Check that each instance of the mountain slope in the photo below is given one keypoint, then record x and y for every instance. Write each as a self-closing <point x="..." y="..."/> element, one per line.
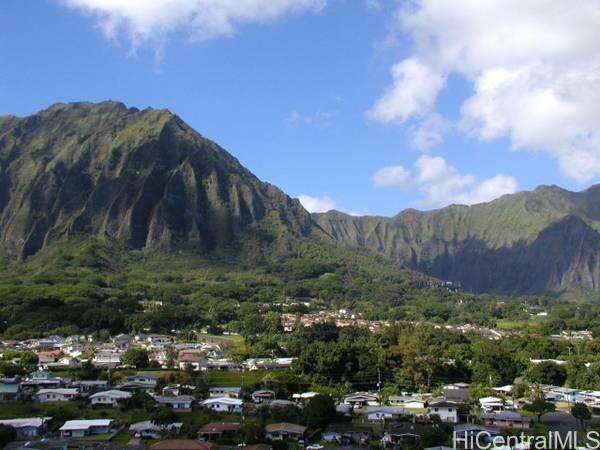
<point x="141" y="177"/>
<point x="542" y="241"/>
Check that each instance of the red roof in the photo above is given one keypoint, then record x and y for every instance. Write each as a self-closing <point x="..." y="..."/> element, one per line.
<point x="182" y="444"/>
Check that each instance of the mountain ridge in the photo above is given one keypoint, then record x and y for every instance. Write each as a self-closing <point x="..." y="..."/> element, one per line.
<point x="458" y="241"/>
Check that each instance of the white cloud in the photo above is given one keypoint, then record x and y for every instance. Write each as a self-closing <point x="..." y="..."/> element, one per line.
<point x="373" y="4"/>
<point x="442" y="184"/>
<point x="391" y="176"/>
<point x="152" y="20"/>
<point x="429" y="132"/>
<point x="412" y="94"/>
<point x="318" y="119"/>
<point x="317" y="204"/>
<point x="534" y="67"/>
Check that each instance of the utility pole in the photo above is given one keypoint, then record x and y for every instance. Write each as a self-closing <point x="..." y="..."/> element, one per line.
<point x="379" y="384"/>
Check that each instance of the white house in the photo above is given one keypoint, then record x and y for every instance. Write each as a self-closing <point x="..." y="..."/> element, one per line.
<point x="447" y="411"/>
<point x="29" y="427"/>
<point x="360" y="399"/>
<point x="149" y="380"/>
<point x="382" y="413"/>
<point x="489" y="404"/>
<point x="224" y="404"/>
<point x="407" y="401"/>
<point x="109" y="398"/>
<point x="259" y="397"/>
<point x="55" y="395"/>
<point x="177" y="402"/>
<point x="10" y="388"/>
<point x="81" y="428"/>
<point x="42" y="378"/>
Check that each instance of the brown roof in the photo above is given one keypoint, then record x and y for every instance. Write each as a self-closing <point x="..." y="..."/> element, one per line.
<point x="284" y="426"/>
<point x="182" y="444"/>
<point x="220" y="427"/>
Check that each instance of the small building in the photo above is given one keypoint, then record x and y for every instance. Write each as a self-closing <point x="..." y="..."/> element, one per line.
<point x="284" y="431"/>
<point x="26" y="428"/>
<point x="149" y="430"/>
<point x="506" y="419"/>
<point x="148" y="380"/>
<point x="396" y="434"/>
<point x="360" y="399"/>
<point x="177" y="402"/>
<point x="489" y="404"/>
<point x="89" y="385"/>
<point x="446" y="411"/>
<point x="41" y="378"/>
<point x="55" y="395"/>
<point x="218" y="430"/>
<point x="109" y="398"/>
<point x="304" y="397"/>
<point x="407" y="401"/>
<point x="467" y="434"/>
<point x="259" y="397"/>
<point x="347" y="434"/>
<point x="197" y="361"/>
<point x="224" y="404"/>
<point x="217" y="392"/>
<point x="82" y="428"/>
<point x="382" y="413"/>
<point x="10" y="389"/>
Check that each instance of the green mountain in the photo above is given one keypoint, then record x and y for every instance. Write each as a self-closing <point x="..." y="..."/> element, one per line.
<point x="140" y="177"/>
<point x="104" y="207"/>
<point x="544" y="241"/>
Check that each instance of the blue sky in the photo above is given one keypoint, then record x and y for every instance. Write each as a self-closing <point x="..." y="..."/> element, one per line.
<point x="323" y="97"/>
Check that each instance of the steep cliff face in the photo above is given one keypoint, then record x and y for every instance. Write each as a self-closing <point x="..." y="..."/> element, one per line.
<point x="141" y="177"/>
<point x="540" y="241"/>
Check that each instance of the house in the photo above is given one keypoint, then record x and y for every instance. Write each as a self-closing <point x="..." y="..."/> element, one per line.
<point x="506" y="419"/>
<point x="232" y="392"/>
<point x="282" y="404"/>
<point x="360" y="399"/>
<point x="457" y="392"/>
<point x="82" y="428"/>
<point x="304" y="397"/>
<point x="489" y="404"/>
<point x="182" y="444"/>
<point x="89" y="385"/>
<point x="10" y="388"/>
<point x="407" y="401"/>
<point x="382" y="413"/>
<point x="109" y="398"/>
<point x="217" y="430"/>
<point x="26" y="428"/>
<point x="259" y="397"/>
<point x="107" y="360"/>
<point x="197" y="361"/>
<point x="284" y="431"/>
<point x="149" y="430"/>
<point x="446" y="411"/>
<point x="468" y="435"/>
<point x="147" y="380"/>
<point x="55" y="395"/>
<point x="177" y="402"/>
<point x="224" y="404"/>
<point x="47" y="357"/>
<point x="157" y="341"/>
<point x="122" y="341"/>
<point x="347" y="434"/>
<point x="42" y="378"/>
<point x="395" y="435"/>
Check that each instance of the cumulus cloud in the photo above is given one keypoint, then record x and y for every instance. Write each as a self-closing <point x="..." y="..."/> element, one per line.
<point x="412" y="93"/>
<point x="153" y="20"/>
<point x="317" y="204"/>
<point x="391" y="176"/>
<point x="442" y="184"/>
<point x="429" y="132"/>
<point x="534" y="68"/>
